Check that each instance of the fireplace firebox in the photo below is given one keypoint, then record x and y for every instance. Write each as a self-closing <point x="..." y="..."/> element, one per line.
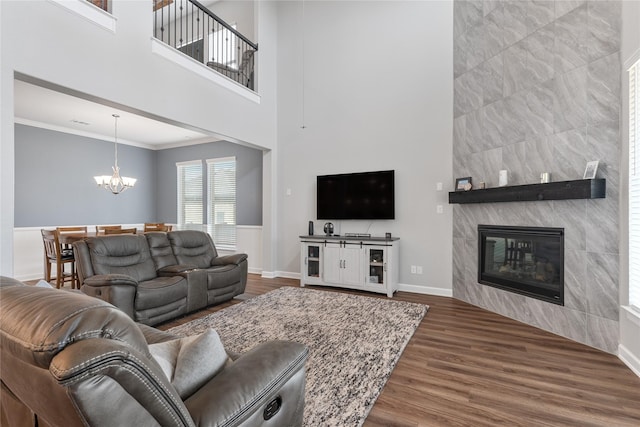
<point x="524" y="260"/>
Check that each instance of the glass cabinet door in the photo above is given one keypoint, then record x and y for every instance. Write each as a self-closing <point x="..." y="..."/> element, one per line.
<point x="376" y="265"/>
<point x="312" y="261"/>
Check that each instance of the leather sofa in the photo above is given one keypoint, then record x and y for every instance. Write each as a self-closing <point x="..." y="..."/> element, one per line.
<point x="155" y="277"/>
<point x="72" y="360"/>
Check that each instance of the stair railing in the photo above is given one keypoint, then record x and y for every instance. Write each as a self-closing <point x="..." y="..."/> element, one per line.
<point x="194" y="30"/>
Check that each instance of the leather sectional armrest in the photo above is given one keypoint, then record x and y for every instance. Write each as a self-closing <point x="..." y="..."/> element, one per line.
<point x="172" y="270"/>
<point x="229" y="259"/>
<point x="110" y="280"/>
<point x="250" y="383"/>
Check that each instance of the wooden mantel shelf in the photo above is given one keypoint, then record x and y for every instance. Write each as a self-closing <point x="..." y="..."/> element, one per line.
<point x="561" y="190"/>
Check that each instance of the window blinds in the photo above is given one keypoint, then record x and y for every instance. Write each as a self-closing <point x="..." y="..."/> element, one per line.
<point x="190" y="195"/>
<point x="634" y="186"/>
<point x="221" y="204"/>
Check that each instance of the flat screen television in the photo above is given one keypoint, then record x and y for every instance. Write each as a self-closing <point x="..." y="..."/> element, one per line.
<point x="363" y="195"/>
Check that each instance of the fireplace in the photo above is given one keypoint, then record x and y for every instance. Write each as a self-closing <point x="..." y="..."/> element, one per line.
<point x="524" y="260"/>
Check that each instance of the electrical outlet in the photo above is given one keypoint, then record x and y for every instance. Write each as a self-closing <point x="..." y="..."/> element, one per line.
<point x="438" y="186"/>
<point x="413" y="269"/>
<point x="439" y="209"/>
<point x="419" y="269"/>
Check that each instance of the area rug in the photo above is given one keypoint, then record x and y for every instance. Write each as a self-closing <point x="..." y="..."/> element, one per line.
<point x="354" y="343"/>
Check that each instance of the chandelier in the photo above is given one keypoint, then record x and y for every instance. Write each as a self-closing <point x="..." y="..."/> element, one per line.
<point x="115" y="183"/>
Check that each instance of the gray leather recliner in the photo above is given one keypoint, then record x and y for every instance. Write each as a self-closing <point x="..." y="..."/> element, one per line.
<point x="72" y="360"/>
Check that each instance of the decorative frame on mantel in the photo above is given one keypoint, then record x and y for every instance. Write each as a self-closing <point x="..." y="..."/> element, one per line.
<point x="560" y="190"/>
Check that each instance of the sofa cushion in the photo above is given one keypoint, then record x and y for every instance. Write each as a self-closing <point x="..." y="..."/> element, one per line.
<point x="122" y="254"/>
<point x="191" y="361"/>
<point x="160" y="291"/>
<point x="193" y="247"/>
<point x="221" y="277"/>
<point x="160" y="249"/>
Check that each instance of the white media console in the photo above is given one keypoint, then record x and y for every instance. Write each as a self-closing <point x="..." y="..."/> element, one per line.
<point x="355" y="262"/>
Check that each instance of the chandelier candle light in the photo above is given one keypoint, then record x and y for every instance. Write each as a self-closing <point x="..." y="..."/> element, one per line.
<point x="115" y="183"/>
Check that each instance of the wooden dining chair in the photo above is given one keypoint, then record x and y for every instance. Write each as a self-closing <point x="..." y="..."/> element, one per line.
<point x="101" y="229"/>
<point x="120" y="231"/>
<point x="156" y="226"/>
<point x="54" y="253"/>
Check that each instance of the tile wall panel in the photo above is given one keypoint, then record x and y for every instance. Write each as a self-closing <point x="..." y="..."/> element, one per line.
<point x="537" y="89"/>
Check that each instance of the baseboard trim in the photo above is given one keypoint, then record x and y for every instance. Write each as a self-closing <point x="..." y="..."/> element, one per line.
<point x="254" y="270"/>
<point x="427" y="290"/>
<point x="629" y="359"/>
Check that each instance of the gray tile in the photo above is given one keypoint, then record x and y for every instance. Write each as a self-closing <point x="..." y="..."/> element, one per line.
<point x="603" y="333"/>
<point x="459" y="136"/>
<point x="602" y="224"/>
<point x="491" y="165"/>
<point x="516" y="74"/>
<point x="489" y="6"/>
<point x="540" y="55"/>
<point x="603" y="144"/>
<point x="494" y="32"/>
<point x="460" y="47"/>
<point x="514" y="126"/>
<point x="475" y="131"/>
<point x="566" y="6"/>
<point x="569" y="150"/>
<point x="492" y="78"/>
<point x="602" y="285"/>
<point x="575" y="274"/>
<point x="559" y="320"/>
<point x="538" y="117"/>
<point x="467" y="92"/>
<point x="493" y="121"/>
<point x="603" y="90"/>
<point x="476" y="46"/>
<point x="539" y="14"/>
<point x="513" y="159"/>
<point x="570" y="49"/>
<point x="515" y="21"/>
<point x="572" y="216"/>
<point x="604" y="23"/>
<point x="539" y="157"/>
<point x="570" y="100"/>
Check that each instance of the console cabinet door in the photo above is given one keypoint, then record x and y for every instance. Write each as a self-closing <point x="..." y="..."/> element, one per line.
<point x="376" y="268"/>
<point x="351" y="266"/>
<point x="311" y="258"/>
<point x="332" y="263"/>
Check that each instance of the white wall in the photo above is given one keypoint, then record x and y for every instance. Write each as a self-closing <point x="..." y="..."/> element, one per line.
<point x="629" y="347"/>
<point x="46" y="41"/>
<point x="378" y="84"/>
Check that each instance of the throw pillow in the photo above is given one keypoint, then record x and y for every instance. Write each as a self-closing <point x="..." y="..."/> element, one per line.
<point x="191" y="361"/>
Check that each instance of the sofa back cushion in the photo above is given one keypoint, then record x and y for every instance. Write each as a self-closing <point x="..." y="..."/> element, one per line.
<point x="193" y="247"/>
<point x="122" y="254"/>
<point x="160" y="249"/>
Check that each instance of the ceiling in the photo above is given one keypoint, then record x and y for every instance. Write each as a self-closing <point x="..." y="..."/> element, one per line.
<point x="51" y="109"/>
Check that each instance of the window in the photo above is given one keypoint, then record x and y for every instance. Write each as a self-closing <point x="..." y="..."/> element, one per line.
<point x="223" y="47"/>
<point x="634" y="186"/>
<point x="221" y="201"/>
<point x="190" y="200"/>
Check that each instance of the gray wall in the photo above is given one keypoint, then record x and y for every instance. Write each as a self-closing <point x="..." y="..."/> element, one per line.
<point x="248" y="178"/>
<point x="54" y="180"/>
<point x="537" y="89"/>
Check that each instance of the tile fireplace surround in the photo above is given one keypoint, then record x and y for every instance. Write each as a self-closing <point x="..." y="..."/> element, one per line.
<point x="537" y="89"/>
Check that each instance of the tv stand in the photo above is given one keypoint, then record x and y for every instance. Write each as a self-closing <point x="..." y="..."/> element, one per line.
<point x="365" y="263"/>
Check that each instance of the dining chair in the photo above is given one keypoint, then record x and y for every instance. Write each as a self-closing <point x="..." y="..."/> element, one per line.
<point x="54" y="253"/>
<point x="156" y="226"/>
<point x="120" y="231"/>
<point x="100" y="229"/>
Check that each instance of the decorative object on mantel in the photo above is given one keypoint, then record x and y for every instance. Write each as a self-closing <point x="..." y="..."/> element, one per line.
<point x="463" y="184"/>
<point x="545" y="177"/>
<point x="482" y="185"/>
<point x="591" y="169"/>
<point x="559" y="190"/>
<point x="503" y="180"/>
<point x="115" y="183"/>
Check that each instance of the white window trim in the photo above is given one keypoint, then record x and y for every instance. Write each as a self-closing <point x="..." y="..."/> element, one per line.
<point x="634" y="186"/>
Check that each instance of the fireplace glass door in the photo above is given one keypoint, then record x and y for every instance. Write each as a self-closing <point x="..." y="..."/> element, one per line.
<point x="524" y="260"/>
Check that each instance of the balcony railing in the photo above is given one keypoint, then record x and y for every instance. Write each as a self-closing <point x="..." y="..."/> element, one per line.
<point x="197" y="32"/>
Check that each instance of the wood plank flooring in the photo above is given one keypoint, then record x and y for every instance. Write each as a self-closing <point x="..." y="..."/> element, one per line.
<point x="466" y="366"/>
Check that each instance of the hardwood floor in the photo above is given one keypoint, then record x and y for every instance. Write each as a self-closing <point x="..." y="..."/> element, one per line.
<point x="466" y="366"/>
